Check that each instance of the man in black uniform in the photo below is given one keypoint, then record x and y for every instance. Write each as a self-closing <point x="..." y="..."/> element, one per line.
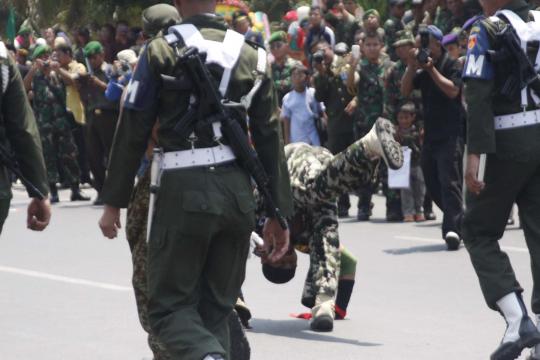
<point x="503" y="126"/>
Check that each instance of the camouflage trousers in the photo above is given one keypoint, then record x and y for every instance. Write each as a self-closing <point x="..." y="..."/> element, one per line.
<point x="59" y="149"/>
<point x="137" y="216"/>
<point x="318" y="179"/>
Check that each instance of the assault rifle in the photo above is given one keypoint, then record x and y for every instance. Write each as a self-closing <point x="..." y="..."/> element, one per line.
<point x="509" y="54"/>
<point x="7" y="160"/>
<point x="211" y="105"/>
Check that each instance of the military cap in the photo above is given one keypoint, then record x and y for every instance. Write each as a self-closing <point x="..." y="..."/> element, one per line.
<point x="277" y="275"/>
<point x="93" y="48"/>
<point x="40" y="50"/>
<point x="158" y="17"/>
<point x="451" y="38"/>
<point x="341" y="49"/>
<point x="371" y="12"/>
<point x="435" y="32"/>
<point x="404" y="37"/>
<point x="278" y="36"/>
<point x="24" y="30"/>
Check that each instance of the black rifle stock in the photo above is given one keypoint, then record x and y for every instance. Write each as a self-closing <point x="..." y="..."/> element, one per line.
<point x="7" y="161"/>
<point x="216" y="109"/>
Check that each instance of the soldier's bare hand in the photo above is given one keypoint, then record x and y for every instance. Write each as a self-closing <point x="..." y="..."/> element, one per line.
<point x="110" y="221"/>
<point x="38" y="214"/>
<point x="275" y="238"/>
<point x="351" y="107"/>
<point x="471" y="174"/>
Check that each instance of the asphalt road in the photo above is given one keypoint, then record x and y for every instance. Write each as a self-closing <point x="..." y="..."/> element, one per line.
<point x="65" y="294"/>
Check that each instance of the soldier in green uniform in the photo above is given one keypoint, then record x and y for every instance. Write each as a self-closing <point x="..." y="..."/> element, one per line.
<point x="53" y="121"/>
<point x="318" y="179"/>
<point x="282" y="65"/>
<point x="419" y="16"/>
<point x="101" y="113"/>
<point x="18" y="129"/>
<point x="369" y="81"/>
<point x="504" y="127"/>
<point x="393" y="25"/>
<point x="330" y="82"/>
<point x="443" y="19"/>
<point x="204" y="210"/>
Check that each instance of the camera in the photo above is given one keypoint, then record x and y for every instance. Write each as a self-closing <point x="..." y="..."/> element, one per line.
<point x="318" y="57"/>
<point x="423" y="52"/>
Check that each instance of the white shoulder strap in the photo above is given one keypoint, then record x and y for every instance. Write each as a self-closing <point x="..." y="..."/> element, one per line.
<point x="225" y="54"/>
<point x="517" y="23"/>
<point x="4" y="71"/>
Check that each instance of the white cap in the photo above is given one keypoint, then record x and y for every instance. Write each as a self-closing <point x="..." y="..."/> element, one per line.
<point x="128" y="56"/>
<point x="41" y="41"/>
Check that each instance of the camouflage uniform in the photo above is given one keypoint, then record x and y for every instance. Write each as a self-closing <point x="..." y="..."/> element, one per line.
<point x="370" y="108"/>
<point x="391" y="27"/>
<point x="392" y="94"/>
<point x="55" y="128"/>
<point x="443" y="20"/>
<point x="137" y="215"/>
<point x="317" y="180"/>
<point x="281" y="75"/>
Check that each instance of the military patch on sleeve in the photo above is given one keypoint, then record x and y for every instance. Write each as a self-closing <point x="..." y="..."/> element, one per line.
<point x="477" y="65"/>
<point x="142" y="89"/>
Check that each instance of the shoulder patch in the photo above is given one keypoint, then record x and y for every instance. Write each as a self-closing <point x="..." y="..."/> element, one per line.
<point x="142" y="88"/>
<point x="477" y="65"/>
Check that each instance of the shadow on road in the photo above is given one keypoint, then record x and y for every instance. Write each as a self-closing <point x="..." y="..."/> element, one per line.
<point x="416" y="249"/>
<point x="298" y="329"/>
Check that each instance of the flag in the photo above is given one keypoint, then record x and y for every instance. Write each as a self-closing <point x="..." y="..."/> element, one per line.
<point x="11" y="31"/>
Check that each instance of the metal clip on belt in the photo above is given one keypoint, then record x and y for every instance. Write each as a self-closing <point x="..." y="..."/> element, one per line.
<point x="520" y="119"/>
<point x="197" y="157"/>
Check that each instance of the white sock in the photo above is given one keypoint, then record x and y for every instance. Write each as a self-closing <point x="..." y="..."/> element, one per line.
<point x="511" y="309"/>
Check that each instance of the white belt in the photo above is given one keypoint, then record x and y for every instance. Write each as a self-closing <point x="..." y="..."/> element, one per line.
<point x="520" y="119"/>
<point x="197" y="157"/>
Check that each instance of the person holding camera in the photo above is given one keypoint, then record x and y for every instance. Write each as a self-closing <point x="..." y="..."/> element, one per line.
<point x="54" y="122"/>
<point x="330" y="80"/>
<point x="438" y="77"/>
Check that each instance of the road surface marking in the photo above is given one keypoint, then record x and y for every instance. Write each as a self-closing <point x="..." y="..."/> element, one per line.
<point x="441" y="241"/>
<point x="64" y="279"/>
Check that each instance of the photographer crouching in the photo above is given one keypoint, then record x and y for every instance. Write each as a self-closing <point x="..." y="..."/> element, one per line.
<point x="438" y="77"/>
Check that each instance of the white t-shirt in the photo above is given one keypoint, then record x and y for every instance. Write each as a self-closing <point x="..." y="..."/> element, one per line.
<point x="301" y="109"/>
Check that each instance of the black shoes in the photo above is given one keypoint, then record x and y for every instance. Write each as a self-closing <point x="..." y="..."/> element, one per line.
<point x="363" y="215"/>
<point x="343" y="213"/>
<point x="528" y="337"/>
<point x="452" y="241"/>
<point x="430" y="215"/>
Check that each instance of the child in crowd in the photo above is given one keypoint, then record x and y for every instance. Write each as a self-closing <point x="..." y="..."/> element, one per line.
<point x="300" y="110"/>
<point x="409" y="135"/>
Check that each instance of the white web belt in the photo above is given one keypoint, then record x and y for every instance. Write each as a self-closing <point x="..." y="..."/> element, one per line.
<point x="197" y="157"/>
<point x="517" y="120"/>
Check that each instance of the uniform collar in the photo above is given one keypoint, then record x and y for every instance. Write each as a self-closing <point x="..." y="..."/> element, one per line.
<point x="207" y="21"/>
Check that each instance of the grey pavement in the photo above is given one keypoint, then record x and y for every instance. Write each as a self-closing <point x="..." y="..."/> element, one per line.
<point x="65" y="294"/>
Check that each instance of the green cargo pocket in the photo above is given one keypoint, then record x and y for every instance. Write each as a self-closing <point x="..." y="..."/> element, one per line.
<point x="199" y="210"/>
<point x="245" y="202"/>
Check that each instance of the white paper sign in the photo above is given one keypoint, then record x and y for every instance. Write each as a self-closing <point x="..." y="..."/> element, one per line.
<point x="400" y="179"/>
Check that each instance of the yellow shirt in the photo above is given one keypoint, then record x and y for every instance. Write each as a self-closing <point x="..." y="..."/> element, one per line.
<point x="73" y="99"/>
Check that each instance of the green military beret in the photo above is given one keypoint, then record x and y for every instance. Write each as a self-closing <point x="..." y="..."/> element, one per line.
<point x="278" y="36"/>
<point x="371" y="12"/>
<point x="404" y="37"/>
<point x="24" y="30"/>
<point x="92" y="48"/>
<point x="159" y="17"/>
<point x="40" y="50"/>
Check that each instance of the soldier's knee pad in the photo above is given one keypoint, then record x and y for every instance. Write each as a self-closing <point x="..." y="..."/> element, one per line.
<point x="348" y="263"/>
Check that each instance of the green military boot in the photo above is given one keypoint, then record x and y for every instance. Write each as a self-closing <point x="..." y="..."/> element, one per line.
<point x="520" y="330"/>
<point x="379" y="142"/>
<point x="323" y="314"/>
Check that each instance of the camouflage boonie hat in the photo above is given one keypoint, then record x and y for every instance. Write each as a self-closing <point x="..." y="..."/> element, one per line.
<point x="404" y="37"/>
<point x="158" y="17"/>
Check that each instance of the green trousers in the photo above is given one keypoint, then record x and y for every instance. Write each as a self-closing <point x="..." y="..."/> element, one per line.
<point x="196" y="257"/>
<point x="507" y="182"/>
<point x="4" y="210"/>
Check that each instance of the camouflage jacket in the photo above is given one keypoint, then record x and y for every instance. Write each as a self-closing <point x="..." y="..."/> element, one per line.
<point x="371" y="91"/>
<point x="281" y="75"/>
<point x="48" y="94"/>
<point x="443" y="20"/>
<point x="392" y="94"/>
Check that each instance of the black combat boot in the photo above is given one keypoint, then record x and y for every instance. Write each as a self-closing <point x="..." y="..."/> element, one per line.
<point x="520" y="330"/>
<point x="54" y="193"/>
<point x="76" y="194"/>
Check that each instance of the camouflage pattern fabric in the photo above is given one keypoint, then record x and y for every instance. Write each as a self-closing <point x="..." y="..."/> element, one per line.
<point x="391" y="27"/>
<point x="137" y="215"/>
<point x="370" y="94"/>
<point x="317" y="179"/>
<point x="393" y="99"/>
<point x="443" y="20"/>
<point x="281" y="75"/>
<point x="55" y="128"/>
